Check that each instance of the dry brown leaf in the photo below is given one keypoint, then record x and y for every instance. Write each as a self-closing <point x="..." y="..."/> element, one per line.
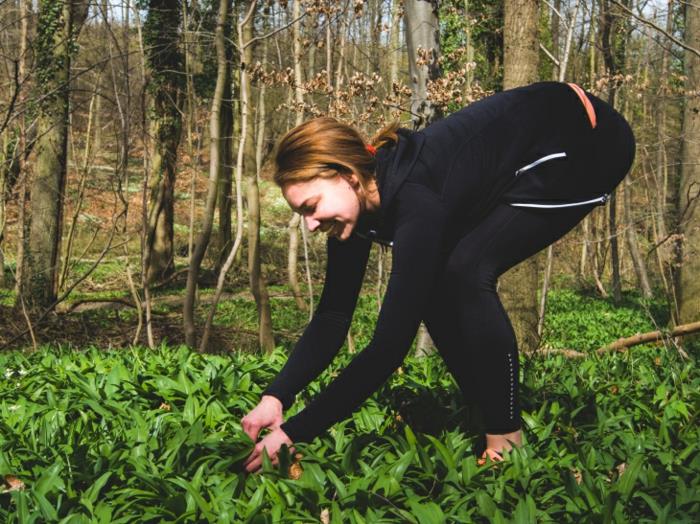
<point x="295" y="471"/>
<point x="12" y="483"/>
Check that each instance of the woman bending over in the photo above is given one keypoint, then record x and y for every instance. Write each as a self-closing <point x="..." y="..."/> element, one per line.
<point x="460" y="203"/>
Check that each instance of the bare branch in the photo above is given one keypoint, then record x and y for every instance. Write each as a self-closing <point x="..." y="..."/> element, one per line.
<point x="656" y="28"/>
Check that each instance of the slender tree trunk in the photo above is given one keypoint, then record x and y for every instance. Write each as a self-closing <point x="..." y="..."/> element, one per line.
<point x="329" y="47"/>
<point x="237" y="241"/>
<point x="562" y="66"/>
<point x="216" y="153"/>
<point x="660" y="114"/>
<point x="6" y="161"/>
<point x="225" y="192"/>
<point x="293" y="246"/>
<point x="395" y="43"/>
<point x="78" y="205"/>
<point x="469" y="44"/>
<point x="613" y="36"/>
<point x="292" y="260"/>
<point x="22" y="223"/>
<point x="633" y="245"/>
<point x="344" y="27"/>
<point x="422" y="36"/>
<point x="161" y="36"/>
<point x="257" y="281"/>
<point x="10" y="161"/>
<point x="518" y="287"/>
<point x="688" y="206"/>
<point x="190" y="39"/>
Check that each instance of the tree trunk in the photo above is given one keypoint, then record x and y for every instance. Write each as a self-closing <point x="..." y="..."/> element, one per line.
<point x="293" y="246"/>
<point x="395" y="43"/>
<point x="518" y="287"/>
<point x="10" y="154"/>
<point x="689" y="209"/>
<point x="237" y="241"/>
<point x="6" y="161"/>
<point x="613" y="37"/>
<point x="660" y="174"/>
<point x="225" y="193"/>
<point x="22" y="225"/>
<point x="215" y="152"/>
<point x="423" y="42"/>
<point x="56" y="33"/>
<point x="563" y="60"/>
<point x="161" y="38"/>
<point x="257" y="282"/>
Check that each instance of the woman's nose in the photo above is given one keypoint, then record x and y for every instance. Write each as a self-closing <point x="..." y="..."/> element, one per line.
<point x="311" y="223"/>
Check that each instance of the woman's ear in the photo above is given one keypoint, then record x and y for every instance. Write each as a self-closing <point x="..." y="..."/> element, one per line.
<point x="352" y="179"/>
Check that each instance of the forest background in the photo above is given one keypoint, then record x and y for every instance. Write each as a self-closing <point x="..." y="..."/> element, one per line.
<point x="136" y="136"/>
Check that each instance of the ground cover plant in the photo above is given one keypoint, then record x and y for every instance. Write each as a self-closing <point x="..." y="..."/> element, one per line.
<point x="154" y="436"/>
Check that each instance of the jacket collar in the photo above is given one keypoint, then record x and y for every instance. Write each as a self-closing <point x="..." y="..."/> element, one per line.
<point x="396" y="165"/>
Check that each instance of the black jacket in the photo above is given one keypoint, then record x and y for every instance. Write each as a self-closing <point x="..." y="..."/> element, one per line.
<point x="434" y="186"/>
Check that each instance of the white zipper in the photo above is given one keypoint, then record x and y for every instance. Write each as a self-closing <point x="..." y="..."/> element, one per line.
<point x="539" y="161"/>
<point x="600" y="200"/>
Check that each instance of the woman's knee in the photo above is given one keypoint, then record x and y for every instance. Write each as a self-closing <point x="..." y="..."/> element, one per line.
<point x="469" y="277"/>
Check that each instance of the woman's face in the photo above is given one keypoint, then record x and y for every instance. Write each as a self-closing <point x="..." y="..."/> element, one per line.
<point x="327" y="204"/>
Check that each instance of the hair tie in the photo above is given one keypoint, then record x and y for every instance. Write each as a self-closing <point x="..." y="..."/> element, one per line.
<point x="371" y="149"/>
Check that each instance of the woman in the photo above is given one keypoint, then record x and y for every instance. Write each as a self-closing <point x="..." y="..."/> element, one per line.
<point x="459" y="202"/>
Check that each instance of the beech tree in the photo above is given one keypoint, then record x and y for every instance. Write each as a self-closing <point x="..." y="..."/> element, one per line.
<point x="689" y="208"/>
<point x="518" y="287"/>
<point x="423" y="44"/>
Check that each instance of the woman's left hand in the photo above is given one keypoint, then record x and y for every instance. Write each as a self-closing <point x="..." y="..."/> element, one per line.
<point x="272" y="443"/>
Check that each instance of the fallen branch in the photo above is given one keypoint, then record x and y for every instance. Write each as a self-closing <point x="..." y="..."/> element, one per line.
<point x="624" y="343"/>
<point x="652" y="336"/>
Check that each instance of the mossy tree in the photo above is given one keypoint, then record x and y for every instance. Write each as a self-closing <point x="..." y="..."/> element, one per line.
<point x="58" y="26"/>
<point x="161" y="36"/>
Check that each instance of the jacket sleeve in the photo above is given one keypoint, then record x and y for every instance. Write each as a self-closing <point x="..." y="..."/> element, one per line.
<point x="325" y="334"/>
<point x="417" y="238"/>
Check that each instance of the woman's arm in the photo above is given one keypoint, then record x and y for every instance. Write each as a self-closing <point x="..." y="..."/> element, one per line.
<point x="416" y="255"/>
<point x="325" y="334"/>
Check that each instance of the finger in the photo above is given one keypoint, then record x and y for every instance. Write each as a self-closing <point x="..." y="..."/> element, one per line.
<point x="252" y="431"/>
<point x="255" y="454"/>
<point x="254" y="465"/>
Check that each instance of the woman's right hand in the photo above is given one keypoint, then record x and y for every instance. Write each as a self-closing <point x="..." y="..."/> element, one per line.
<point x="267" y="414"/>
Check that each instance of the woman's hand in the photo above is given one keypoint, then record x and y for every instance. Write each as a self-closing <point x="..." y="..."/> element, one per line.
<point x="267" y="414"/>
<point x="272" y="443"/>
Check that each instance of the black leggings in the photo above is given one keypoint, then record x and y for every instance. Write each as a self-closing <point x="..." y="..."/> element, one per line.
<point x="466" y="319"/>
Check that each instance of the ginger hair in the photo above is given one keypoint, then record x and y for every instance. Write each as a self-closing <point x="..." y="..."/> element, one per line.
<point x="326" y="147"/>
